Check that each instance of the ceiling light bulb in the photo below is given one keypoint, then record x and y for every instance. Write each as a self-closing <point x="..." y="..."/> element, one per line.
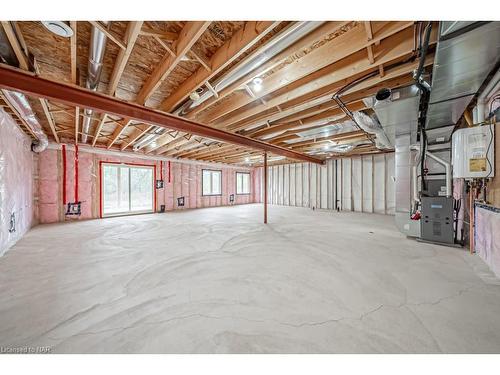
<point x="247" y="160"/>
<point x="257" y="84"/>
<point x="194" y="96"/>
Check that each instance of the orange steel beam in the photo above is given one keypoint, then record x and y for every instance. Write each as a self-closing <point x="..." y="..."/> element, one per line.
<point x="265" y="187"/>
<point x="29" y="83"/>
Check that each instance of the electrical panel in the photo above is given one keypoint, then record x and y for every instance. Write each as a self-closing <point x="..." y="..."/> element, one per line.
<point x="473" y="152"/>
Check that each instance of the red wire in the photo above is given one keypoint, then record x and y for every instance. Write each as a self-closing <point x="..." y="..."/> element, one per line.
<point x="169" y="171"/>
<point x="76" y="172"/>
<point x="64" y="173"/>
<point x="161" y="169"/>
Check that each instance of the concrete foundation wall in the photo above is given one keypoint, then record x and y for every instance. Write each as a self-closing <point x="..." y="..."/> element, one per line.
<point x="185" y="181"/>
<point x="17" y="183"/>
<point x="362" y="184"/>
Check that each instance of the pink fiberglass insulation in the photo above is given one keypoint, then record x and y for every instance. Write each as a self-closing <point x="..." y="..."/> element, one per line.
<point x="17" y="185"/>
<point x="49" y="188"/>
<point x="487" y="237"/>
<point x="185" y="181"/>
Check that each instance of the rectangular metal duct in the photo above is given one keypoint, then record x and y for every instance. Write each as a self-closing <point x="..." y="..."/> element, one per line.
<point x="464" y="57"/>
<point x="398" y="115"/>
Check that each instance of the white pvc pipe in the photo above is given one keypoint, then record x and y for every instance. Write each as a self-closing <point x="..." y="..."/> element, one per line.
<point x="447" y="167"/>
<point x="414" y="183"/>
<point x="443" y="162"/>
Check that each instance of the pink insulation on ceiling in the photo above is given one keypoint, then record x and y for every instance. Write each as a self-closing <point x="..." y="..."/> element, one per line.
<point x="17" y="185"/>
<point x="487" y="237"/>
<point x="185" y="181"/>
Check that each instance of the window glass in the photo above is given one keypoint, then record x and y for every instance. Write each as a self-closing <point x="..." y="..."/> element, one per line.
<point x="212" y="182"/>
<point x="242" y="183"/>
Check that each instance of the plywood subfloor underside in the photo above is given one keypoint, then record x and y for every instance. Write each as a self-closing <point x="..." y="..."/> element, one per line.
<point x="217" y="280"/>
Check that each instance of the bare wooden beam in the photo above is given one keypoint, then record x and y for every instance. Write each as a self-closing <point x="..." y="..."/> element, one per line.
<point x="50" y="120"/>
<point x="202" y="60"/>
<point x="117" y="133"/>
<point x="368" y="29"/>
<point x="133" y="29"/>
<point x="166" y="35"/>
<point x="321" y="58"/>
<point x="104" y="116"/>
<point x="16" y="46"/>
<point x="187" y="37"/>
<point x="321" y="84"/>
<point x="138" y="132"/>
<point x="318" y="34"/>
<point x="111" y="35"/>
<point x="73" y="49"/>
<point x="243" y="39"/>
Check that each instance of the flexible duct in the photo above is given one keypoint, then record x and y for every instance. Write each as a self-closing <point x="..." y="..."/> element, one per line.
<point x="96" y="57"/>
<point x="372" y="126"/>
<point x="23" y="108"/>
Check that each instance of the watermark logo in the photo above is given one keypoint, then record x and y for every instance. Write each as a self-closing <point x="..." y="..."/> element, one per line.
<point x="25" y="349"/>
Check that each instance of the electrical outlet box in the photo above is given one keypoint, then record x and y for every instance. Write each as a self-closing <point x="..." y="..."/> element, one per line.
<point x="180" y="202"/>
<point x="159" y="184"/>
<point x="74" y="208"/>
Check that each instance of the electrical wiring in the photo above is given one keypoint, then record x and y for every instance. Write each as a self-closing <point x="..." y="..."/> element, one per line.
<point x="490" y="126"/>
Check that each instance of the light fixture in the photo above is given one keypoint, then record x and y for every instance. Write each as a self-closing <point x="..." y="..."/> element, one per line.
<point x="325" y="147"/>
<point x="195" y="95"/>
<point x="257" y="84"/>
<point x="247" y="160"/>
<point x="59" y="28"/>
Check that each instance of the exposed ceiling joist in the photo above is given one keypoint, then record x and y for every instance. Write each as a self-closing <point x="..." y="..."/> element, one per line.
<point x="339" y="48"/>
<point x="133" y="29"/>
<point x="318" y="34"/>
<point x="16" y="46"/>
<point x="111" y="35"/>
<point x="187" y="37"/>
<point x="246" y="37"/>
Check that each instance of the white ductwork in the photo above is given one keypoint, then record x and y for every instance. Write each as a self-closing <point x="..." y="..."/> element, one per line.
<point x="96" y="57"/>
<point x="20" y="103"/>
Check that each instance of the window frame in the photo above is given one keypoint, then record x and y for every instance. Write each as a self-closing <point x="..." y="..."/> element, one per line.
<point x="102" y="165"/>
<point x="249" y="183"/>
<point x="202" y="179"/>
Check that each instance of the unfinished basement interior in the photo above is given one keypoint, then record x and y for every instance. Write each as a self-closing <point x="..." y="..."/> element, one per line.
<point x="250" y="186"/>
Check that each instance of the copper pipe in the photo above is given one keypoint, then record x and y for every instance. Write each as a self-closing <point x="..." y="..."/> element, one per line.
<point x="471" y="219"/>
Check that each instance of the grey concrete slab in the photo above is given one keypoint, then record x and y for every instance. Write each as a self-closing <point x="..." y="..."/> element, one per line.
<point x="217" y="280"/>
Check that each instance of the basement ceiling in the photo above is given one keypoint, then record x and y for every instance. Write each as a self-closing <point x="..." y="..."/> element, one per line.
<point x="160" y="64"/>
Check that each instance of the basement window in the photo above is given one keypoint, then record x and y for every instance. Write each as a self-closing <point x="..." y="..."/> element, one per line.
<point x="242" y="183"/>
<point x="211" y="182"/>
<point x="127" y="189"/>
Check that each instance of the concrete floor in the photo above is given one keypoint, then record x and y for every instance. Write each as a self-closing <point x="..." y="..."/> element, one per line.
<point x="217" y="280"/>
